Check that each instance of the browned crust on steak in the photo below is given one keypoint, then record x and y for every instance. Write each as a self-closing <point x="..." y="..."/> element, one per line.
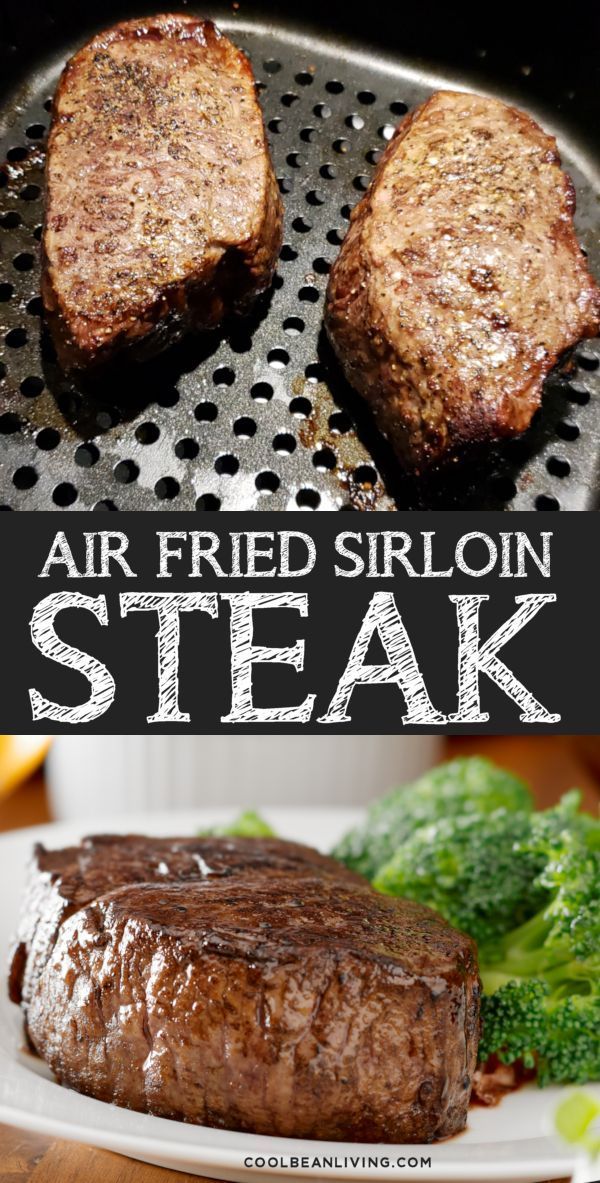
<point x="60" y="882"/>
<point x="460" y="282"/>
<point x="162" y="208"/>
<point x="280" y="996"/>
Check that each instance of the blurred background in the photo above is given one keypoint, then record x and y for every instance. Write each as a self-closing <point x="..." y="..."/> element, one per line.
<point x="42" y="779"/>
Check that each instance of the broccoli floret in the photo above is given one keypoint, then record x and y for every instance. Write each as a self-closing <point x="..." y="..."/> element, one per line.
<point x="246" y="825"/>
<point x="464" y="786"/>
<point x="466" y="868"/>
<point x="541" y="980"/>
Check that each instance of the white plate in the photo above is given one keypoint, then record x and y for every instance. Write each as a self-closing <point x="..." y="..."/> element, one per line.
<point x="511" y="1142"/>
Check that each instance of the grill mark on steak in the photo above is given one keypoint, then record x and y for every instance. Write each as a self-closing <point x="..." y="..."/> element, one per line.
<point x="278" y="995"/>
<point x="460" y="282"/>
<point x="162" y="208"/>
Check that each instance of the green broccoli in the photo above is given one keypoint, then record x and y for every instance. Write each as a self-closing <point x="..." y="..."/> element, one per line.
<point x="541" y="979"/>
<point x="467" y="785"/>
<point x="466" y="868"/>
<point x="246" y="825"/>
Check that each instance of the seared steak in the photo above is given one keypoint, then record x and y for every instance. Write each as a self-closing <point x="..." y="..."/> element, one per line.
<point x="279" y="999"/>
<point x="460" y="282"/>
<point x="61" y="882"/>
<point x="162" y="209"/>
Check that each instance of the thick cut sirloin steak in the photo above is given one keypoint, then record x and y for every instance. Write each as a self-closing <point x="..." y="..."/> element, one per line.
<point x="278" y="995"/>
<point x="460" y="281"/>
<point x="162" y="208"/>
<point x="61" y="882"/>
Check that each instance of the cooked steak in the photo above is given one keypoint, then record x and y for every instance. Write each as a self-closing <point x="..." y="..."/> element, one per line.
<point x="460" y="282"/>
<point x="61" y="882"/>
<point x="278" y="999"/>
<point x="162" y="208"/>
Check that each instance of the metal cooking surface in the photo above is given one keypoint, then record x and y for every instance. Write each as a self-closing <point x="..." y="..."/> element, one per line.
<point x="257" y="415"/>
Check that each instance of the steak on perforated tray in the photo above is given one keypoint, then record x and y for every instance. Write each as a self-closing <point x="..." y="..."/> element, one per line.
<point x="162" y="208"/>
<point x="247" y="984"/>
<point x="461" y="281"/>
<point x="257" y="415"/>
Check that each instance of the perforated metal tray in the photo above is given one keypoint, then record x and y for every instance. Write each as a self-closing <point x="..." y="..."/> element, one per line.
<point x="257" y="415"/>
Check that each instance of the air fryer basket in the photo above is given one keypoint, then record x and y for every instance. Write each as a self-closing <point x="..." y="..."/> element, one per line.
<point x="257" y="414"/>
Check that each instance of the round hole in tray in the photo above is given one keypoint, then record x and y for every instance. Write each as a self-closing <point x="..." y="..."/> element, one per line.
<point x="545" y="502"/>
<point x="23" y="261"/>
<point x="206" y="412"/>
<point x="267" y="482"/>
<point x="16" y="338"/>
<point x="25" y="477"/>
<point x="47" y="439"/>
<point x="186" y="449"/>
<point x="340" y="423"/>
<point x="288" y="253"/>
<point x="567" y="430"/>
<point x="314" y="372"/>
<point x="64" y="494"/>
<point x="227" y="465"/>
<point x="224" y="376"/>
<point x="86" y="455"/>
<point x="558" y="466"/>
<point x="284" y="443"/>
<point x="365" y="476"/>
<point x="334" y="86"/>
<point x="262" y="392"/>
<point x="166" y="488"/>
<point x="324" y="460"/>
<point x="293" y="326"/>
<point x="308" y="499"/>
<point x="308" y="294"/>
<point x="106" y="505"/>
<point x="126" y="472"/>
<point x="32" y="386"/>
<point x="278" y="358"/>
<point x="244" y="427"/>
<point x="208" y="501"/>
<point x="9" y="423"/>
<point x="30" y="193"/>
<point x="148" y="433"/>
<point x="300" y="407"/>
<point x="10" y="220"/>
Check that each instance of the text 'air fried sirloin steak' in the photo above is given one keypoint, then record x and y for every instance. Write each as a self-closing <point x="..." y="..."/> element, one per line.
<point x="162" y="208"/>
<point x="248" y="984"/>
<point x="460" y="282"/>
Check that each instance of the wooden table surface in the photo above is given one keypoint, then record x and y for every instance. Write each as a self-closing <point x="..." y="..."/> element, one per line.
<point x="551" y="764"/>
